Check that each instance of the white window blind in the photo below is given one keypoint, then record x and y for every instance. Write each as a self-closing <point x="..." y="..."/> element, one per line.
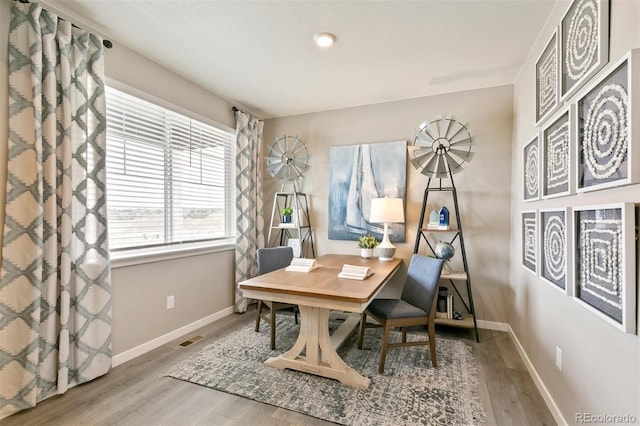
<point x="169" y="177"/>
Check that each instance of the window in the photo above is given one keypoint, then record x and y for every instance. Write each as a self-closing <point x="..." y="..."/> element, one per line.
<point x="169" y="176"/>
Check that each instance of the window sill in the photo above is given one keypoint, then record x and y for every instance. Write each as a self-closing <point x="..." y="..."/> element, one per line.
<point x="159" y="254"/>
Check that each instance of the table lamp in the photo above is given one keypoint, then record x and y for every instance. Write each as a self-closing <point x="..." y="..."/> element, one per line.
<point x="386" y="210"/>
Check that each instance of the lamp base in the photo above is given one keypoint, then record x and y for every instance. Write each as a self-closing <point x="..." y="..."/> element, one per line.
<point x="385" y="254"/>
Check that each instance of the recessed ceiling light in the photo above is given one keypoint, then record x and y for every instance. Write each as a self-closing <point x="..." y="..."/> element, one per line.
<point x="324" y="39"/>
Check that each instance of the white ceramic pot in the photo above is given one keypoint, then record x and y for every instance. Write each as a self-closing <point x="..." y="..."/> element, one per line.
<point x="366" y="253"/>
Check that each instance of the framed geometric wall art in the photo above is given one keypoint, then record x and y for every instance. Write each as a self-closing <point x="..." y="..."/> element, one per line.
<point x="547" y="81"/>
<point x="584" y="43"/>
<point x="530" y="240"/>
<point x="531" y="171"/>
<point x="357" y="174"/>
<point x="605" y="126"/>
<point x="604" y="247"/>
<point x="554" y="240"/>
<point x="556" y="156"/>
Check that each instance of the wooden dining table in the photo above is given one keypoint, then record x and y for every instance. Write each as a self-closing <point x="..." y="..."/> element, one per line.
<point x="317" y="293"/>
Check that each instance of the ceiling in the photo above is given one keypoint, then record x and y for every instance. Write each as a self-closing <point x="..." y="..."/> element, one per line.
<point x="260" y="54"/>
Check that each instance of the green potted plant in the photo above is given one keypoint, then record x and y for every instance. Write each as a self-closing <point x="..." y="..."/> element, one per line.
<point x="367" y="243"/>
<point x="285" y="214"/>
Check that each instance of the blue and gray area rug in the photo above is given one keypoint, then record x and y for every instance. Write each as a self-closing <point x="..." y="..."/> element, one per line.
<point x="411" y="392"/>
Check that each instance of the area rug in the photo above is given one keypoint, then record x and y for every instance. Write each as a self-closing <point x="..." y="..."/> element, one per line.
<point x="410" y="392"/>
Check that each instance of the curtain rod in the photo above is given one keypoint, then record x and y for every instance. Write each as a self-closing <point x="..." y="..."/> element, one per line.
<point x="235" y="109"/>
<point x="106" y="43"/>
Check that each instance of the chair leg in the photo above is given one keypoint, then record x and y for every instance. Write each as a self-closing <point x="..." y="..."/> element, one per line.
<point x="432" y="343"/>
<point x="384" y="348"/>
<point x="295" y="313"/>
<point x="273" y="328"/>
<point x="404" y="334"/>
<point x="258" y="313"/>
<point x="363" y="321"/>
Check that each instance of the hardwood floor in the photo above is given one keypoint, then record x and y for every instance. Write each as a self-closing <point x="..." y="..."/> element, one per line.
<point x="136" y="393"/>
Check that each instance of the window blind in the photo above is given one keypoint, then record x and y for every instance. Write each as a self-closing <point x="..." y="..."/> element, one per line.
<point x="169" y="176"/>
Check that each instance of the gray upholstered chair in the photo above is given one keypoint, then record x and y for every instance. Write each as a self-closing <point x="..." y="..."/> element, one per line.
<point x="271" y="259"/>
<point x="417" y="306"/>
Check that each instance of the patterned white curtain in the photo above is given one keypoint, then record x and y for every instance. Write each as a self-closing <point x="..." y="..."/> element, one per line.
<point x="249" y="203"/>
<point x="55" y="291"/>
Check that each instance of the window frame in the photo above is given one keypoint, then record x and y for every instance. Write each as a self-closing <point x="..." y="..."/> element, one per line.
<point x="135" y="256"/>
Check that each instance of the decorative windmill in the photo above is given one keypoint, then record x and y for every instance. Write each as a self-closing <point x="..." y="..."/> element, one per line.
<point x="287" y="161"/>
<point x="441" y="147"/>
<point x="438" y="151"/>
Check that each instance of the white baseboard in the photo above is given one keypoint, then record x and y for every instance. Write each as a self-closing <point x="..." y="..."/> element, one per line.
<point x="493" y="325"/>
<point x="162" y="340"/>
<point x="546" y="395"/>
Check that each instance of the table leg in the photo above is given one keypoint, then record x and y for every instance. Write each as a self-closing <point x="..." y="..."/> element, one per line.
<point x="320" y="356"/>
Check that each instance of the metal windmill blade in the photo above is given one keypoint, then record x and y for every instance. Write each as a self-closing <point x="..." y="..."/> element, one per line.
<point x="454" y="166"/>
<point x="427" y="132"/>
<point x="421" y="158"/>
<point x="441" y="167"/>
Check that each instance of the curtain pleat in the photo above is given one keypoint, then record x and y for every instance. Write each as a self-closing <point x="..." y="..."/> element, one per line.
<point x="249" y="202"/>
<point x="55" y="280"/>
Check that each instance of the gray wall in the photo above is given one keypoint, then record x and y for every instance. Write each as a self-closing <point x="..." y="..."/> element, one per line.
<point x="600" y="371"/>
<point x="484" y="187"/>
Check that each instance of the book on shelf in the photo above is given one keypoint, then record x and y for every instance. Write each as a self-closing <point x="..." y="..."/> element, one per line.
<point x="441" y="305"/>
<point x="299" y="264"/>
<point x="353" y="272"/>
<point x="444" y="306"/>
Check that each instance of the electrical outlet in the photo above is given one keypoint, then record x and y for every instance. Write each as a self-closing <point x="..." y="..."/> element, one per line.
<point x="559" y="358"/>
<point x="170" y="302"/>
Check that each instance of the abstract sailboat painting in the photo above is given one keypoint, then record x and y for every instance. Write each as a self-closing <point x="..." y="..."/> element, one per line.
<point x="358" y="174"/>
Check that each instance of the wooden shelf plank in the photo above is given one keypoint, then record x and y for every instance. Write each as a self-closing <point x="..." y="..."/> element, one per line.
<point x="438" y="230"/>
<point x="465" y="322"/>
<point x="454" y="275"/>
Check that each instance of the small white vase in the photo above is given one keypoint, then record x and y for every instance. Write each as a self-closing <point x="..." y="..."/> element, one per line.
<point x="366" y="253"/>
<point x="446" y="267"/>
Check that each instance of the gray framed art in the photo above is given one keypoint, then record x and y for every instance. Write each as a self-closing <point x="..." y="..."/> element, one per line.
<point x="584" y="36"/>
<point x="529" y="222"/>
<point x="605" y="126"/>
<point x="555" y="230"/>
<point x="531" y="171"/>
<point x="547" y="82"/>
<point x="358" y="174"/>
<point x="556" y="176"/>
<point x="604" y="247"/>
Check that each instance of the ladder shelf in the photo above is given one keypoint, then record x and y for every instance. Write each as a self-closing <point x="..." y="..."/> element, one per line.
<point x="469" y="318"/>
<point x="285" y="233"/>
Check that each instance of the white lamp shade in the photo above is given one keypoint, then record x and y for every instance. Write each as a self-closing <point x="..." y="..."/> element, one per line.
<point x="386" y="210"/>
